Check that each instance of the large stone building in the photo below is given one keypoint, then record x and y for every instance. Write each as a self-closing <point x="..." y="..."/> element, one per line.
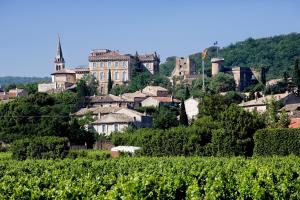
<point x="103" y="61"/>
<point x="243" y="76"/>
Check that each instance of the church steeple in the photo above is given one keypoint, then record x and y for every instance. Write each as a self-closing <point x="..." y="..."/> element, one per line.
<point x="59" y="59"/>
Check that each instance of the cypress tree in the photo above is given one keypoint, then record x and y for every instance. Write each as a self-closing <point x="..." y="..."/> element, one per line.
<point x="187" y="93"/>
<point x="296" y="76"/>
<point x="183" y="116"/>
<point x="110" y="83"/>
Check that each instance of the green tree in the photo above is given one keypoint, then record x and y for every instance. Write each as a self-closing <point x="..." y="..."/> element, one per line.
<point x="296" y="76"/>
<point x="222" y="83"/>
<point x="212" y="105"/>
<point x="137" y="66"/>
<point x="183" y="120"/>
<point x="110" y="82"/>
<point x="239" y="127"/>
<point x="187" y="93"/>
<point x="164" y="118"/>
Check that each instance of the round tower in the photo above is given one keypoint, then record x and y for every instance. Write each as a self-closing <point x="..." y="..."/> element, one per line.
<point x="217" y="65"/>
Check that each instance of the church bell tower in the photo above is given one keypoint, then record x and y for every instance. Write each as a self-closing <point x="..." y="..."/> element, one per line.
<point x="59" y="62"/>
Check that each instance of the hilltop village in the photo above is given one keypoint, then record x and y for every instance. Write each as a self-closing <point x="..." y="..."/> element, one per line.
<point x="126" y="93"/>
<point x="110" y="68"/>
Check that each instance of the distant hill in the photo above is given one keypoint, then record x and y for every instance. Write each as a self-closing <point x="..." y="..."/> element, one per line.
<point x="6" y="80"/>
<point x="277" y="54"/>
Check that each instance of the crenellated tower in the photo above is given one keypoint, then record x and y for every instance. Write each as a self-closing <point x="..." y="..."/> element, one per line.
<point x="59" y="62"/>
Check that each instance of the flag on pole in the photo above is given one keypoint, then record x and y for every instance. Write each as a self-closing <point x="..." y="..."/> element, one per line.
<point x="204" y="54"/>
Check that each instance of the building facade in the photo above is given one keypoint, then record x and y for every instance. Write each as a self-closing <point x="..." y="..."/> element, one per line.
<point x="120" y="66"/>
<point x="104" y="61"/>
<point x="243" y="76"/>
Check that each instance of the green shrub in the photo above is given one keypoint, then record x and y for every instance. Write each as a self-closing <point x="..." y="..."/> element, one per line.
<point x="281" y="141"/>
<point x="90" y="154"/>
<point x="40" y="148"/>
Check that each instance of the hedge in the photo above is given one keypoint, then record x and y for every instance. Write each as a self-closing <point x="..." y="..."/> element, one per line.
<point x="281" y="142"/>
<point x="40" y="148"/>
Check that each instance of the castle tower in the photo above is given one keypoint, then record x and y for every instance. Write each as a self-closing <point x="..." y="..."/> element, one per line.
<point x="59" y="62"/>
<point x="217" y="65"/>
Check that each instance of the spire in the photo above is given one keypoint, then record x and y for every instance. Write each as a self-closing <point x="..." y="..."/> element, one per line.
<point x="59" y="54"/>
<point x="59" y="59"/>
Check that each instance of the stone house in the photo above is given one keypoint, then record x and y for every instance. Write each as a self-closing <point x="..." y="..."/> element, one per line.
<point x="260" y="104"/>
<point x="120" y="120"/>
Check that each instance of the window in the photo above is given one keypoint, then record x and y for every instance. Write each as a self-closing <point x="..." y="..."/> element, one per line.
<point x="102" y="64"/>
<point x="94" y="65"/>
<point x="103" y="128"/>
<point x="124" y="78"/>
<point x="116" y="64"/>
<point x="109" y="64"/>
<point x="95" y="74"/>
<point x="116" y="127"/>
<point x="116" y="75"/>
<point x="101" y="75"/>
<point x="124" y="63"/>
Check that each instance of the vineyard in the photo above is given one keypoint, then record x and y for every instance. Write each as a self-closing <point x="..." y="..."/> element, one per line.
<point x="151" y="178"/>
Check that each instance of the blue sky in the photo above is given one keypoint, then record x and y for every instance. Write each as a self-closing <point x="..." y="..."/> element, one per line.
<point x="28" y="34"/>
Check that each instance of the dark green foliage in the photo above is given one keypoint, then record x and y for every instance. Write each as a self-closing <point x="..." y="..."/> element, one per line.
<point x="180" y="140"/>
<point x="183" y="118"/>
<point x="222" y="83"/>
<point x="41" y="115"/>
<point x="31" y="88"/>
<point x="213" y="105"/>
<point x="187" y="93"/>
<point x="39" y="148"/>
<point x="234" y="97"/>
<point x="239" y="127"/>
<point x="110" y="82"/>
<point x="167" y="67"/>
<point x="164" y="118"/>
<point x="296" y="76"/>
<point x="281" y="142"/>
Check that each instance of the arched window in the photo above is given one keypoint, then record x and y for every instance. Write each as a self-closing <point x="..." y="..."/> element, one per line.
<point x="101" y="75"/>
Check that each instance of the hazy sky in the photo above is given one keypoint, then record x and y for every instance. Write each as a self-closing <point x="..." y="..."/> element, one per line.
<point x="28" y="29"/>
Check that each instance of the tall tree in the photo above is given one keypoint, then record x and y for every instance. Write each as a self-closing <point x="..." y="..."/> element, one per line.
<point x="296" y="76"/>
<point x="110" y="82"/>
<point x="137" y="66"/>
<point x="183" y="120"/>
<point x="187" y="93"/>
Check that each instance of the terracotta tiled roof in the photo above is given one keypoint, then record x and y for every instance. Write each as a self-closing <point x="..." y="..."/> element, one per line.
<point x="97" y="110"/>
<point x="147" y="57"/>
<point x="111" y="55"/>
<point x="262" y="100"/>
<point x="130" y="96"/>
<point x="81" y="69"/>
<point x="114" y="118"/>
<point x="105" y="99"/>
<point x="64" y="71"/>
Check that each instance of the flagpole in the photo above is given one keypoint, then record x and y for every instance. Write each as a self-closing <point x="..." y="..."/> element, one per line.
<point x="203" y="84"/>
